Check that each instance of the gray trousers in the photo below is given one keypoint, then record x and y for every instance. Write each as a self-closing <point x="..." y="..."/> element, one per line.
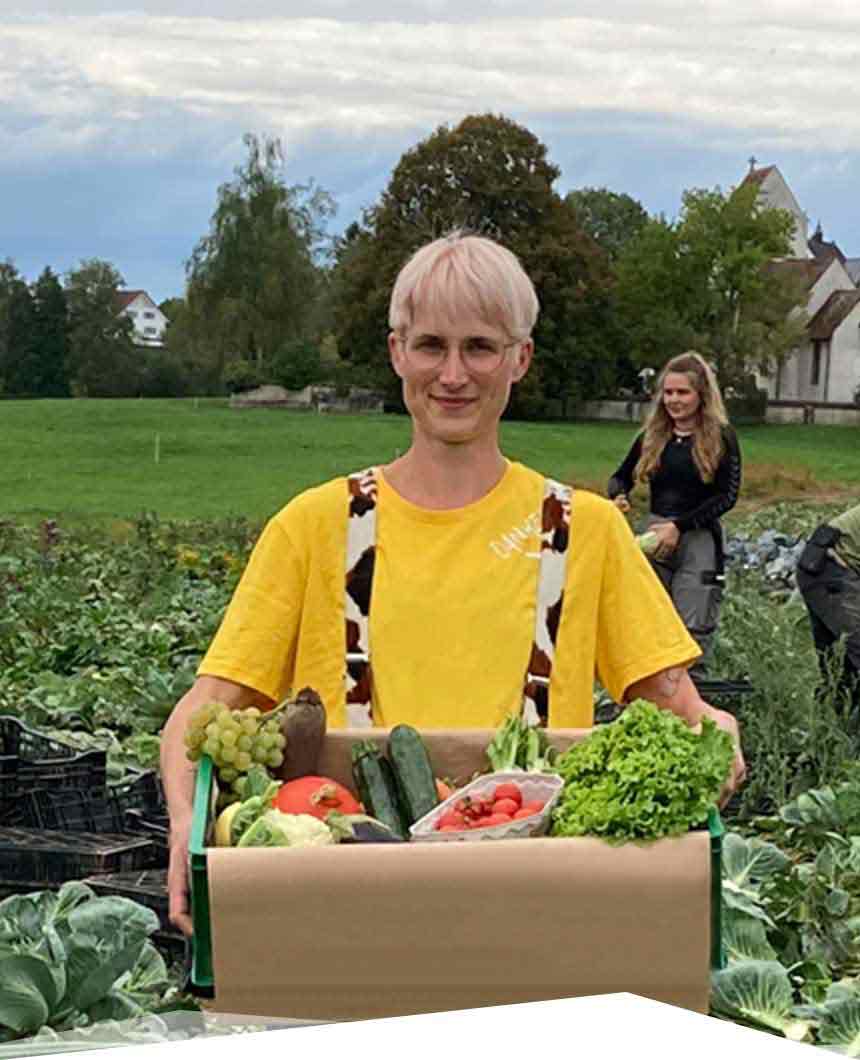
<point x="689" y="577"/>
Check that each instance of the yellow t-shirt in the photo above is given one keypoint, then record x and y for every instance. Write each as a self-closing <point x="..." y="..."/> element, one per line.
<point x="453" y="608"/>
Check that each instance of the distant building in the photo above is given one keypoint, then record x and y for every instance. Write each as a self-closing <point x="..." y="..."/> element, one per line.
<point x="825" y="367"/>
<point x="149" y="322"/>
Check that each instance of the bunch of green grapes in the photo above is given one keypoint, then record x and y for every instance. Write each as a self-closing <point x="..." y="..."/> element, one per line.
<point x="235" y="740"/>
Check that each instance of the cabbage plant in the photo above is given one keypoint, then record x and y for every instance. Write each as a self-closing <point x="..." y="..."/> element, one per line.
<point x="72" y="958"/>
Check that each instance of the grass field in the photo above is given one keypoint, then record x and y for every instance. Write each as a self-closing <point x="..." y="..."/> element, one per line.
<point x="92" y="460"/>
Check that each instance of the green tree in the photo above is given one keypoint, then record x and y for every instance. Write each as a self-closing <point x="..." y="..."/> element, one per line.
<point x="611" y="218"/>
<point x="297" y="364"/>
<point x="16" y="312"/>
<point x="491" y="176"/>
<point x="703" y="281"/>
<point x="172" y="307"/>
<point x="21" y="369"/>
<point x="253" y="279"/>
<point x="103" y="361"/>
<point x="50" y="335"/>
<point x="652" y="295"/>
<point x="742" y="306"/>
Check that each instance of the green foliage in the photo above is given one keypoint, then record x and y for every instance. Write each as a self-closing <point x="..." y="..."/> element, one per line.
<point x="645" y="776"/>
<point x="102" y="360"/>
<point x="758" y="994"/>
<point x="611" y="218"/>
<point x="253" y="280"/>
<point x="296" y="365"/>
<point x="71" y="958"/>
<point x="242" y="374"/>
<point x="703" y="282"/>
<point x="50" y="339"/>
<point x="18" y="358"/>
<point x="490" y="176"/>
<point x="793" y="734"/>
<point x="106" y="637"/>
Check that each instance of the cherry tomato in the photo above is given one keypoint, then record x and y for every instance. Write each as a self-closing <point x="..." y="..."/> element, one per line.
<point x="509" y="790"/>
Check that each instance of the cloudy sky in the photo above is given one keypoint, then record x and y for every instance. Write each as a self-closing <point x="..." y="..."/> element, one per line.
<point x="119" y="122"/>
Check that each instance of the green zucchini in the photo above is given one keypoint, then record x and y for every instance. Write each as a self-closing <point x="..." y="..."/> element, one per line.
<point x="413" y="773"/>
<point x="377" y="790"/>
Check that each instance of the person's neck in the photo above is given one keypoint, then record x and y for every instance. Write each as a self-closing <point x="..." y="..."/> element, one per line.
<point x="684" y="426"/>
<point x="440" y="476"/>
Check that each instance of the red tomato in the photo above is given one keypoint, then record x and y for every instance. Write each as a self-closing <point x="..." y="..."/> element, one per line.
<point x="508" y="790"/>
<point x="521" y="815"/>
<point x="317" y="796"/>
<point x="451" y="817"/>
<point x="493" y="820"/>
<point x="535" y="807"/>
<point x="506" y="806"/>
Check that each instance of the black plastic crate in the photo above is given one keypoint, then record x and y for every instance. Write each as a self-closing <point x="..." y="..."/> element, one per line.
<point x="135" y="806"/>
<point x="32" y="760"/>
<point x="99" y="809"/>
<point x="727" y="694"/>
<point x="47" y="857"/>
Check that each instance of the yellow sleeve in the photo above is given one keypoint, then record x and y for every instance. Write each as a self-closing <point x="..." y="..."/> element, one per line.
<point x="639" y="631"/>
<point x="256" y="642"/>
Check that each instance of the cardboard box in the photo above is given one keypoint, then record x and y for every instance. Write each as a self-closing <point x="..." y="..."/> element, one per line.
<point x="367" y="931"/>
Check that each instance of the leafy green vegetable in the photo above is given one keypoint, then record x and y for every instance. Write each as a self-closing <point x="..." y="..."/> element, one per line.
<point x="838" y="1018"/>
<point x="745" y="938"/>
<point x="277" y="829"/>
<point x="758" y="994"/>
<point x="518" y="745"/>
<point x="71" y="958"/>
<point x="644" y="776"/>
<point x="818" y="813"/>
<point x="260" y="789"/>
<point x="746" y="862"/>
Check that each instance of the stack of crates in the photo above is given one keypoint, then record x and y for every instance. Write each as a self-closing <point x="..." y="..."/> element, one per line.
<point x="60" y="820"/>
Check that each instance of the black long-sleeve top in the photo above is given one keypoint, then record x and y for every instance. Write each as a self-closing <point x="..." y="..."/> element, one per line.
<point x="677" y="490"/>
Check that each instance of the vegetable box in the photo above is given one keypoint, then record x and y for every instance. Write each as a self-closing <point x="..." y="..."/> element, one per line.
<point x="364" y="931"/>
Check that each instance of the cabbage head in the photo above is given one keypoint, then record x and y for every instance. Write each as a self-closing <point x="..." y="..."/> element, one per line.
<point x="277" y="829"/>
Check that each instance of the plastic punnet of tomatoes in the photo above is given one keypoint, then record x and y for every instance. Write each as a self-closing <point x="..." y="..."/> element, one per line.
<point x="506" y="805"/>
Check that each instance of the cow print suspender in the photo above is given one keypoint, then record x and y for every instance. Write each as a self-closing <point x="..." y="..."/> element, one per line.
<point x="555" y="533"/>
<point x="360" y="555"/>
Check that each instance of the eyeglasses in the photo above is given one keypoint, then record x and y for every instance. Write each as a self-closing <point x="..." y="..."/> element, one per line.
<point x="480" y="355"/>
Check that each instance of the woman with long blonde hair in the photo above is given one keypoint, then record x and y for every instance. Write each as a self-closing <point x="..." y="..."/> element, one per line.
<point x="688" y="455"/>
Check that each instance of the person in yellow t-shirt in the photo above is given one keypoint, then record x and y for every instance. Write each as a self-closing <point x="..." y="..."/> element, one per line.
<point x="459" y="547"/>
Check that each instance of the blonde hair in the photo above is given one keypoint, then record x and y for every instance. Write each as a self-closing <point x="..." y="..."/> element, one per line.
<point x="461" y="275"/>
<point x="708" y="444"/>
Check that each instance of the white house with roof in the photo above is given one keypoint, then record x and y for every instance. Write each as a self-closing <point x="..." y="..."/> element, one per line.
<point x="149" y="322"/>
<point x="825" y="367"/>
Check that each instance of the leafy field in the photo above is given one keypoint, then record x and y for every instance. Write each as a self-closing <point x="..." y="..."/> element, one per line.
<point x="104" y="616"/>
<point x="104" y="460"/>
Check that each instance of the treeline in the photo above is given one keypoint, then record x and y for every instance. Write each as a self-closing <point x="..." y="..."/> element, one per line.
<point x="67" y="338"/>
<point x="271" y="298"/>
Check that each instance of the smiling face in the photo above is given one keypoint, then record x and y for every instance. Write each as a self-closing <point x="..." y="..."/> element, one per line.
<point x="457" y="376"/>
<point x="681" y="399"/>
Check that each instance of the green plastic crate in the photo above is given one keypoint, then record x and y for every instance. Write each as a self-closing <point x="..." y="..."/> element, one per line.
<point x="202" y="978"/>
<point x="716" y="830"/>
